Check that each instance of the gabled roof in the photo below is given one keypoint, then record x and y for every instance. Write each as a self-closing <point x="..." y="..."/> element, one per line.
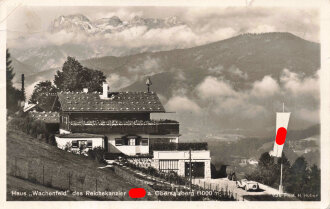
<point x="47" y="117"/>
<point x="28" y="107"/>
<point x="116" y="102"/>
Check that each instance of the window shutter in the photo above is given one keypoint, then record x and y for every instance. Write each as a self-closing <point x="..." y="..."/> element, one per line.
<point x="89" y="144"/>
<point x="74" y="144"/>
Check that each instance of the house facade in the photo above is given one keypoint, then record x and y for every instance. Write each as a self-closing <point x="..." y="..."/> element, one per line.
<point x="122" y="117"/>
<point x="79" y="142"/>
<point x="120" y="123"/>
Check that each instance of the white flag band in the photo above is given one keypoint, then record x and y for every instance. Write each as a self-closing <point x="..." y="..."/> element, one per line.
<point x="282" y="121"/>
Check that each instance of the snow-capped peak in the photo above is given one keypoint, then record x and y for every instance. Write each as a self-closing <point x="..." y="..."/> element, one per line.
<point x="80" y="23"/>
<point x="72" y="23"/>
<point x="113" y="21"/>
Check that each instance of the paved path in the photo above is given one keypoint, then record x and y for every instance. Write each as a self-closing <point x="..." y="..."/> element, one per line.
<point x="226" y="185"/>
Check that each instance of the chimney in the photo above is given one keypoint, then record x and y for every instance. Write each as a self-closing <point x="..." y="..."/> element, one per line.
<point x="85" y="90"/>
<point x="105" y="90"/>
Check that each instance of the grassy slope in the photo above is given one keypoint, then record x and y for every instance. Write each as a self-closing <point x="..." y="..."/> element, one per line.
<point x="58" y="164"/>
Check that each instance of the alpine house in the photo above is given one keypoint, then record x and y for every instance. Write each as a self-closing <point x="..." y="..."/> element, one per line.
<point x="120" y="123"/>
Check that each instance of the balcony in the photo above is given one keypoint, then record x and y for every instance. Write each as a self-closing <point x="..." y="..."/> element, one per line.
<point x="178" y="146"/>
<point x="154" y="127"/>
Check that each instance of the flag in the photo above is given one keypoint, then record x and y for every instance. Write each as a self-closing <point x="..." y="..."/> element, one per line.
<point x="282" y="121"/>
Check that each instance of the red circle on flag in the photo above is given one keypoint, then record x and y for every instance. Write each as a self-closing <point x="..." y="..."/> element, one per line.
<point x="137" y="193"/>
<point x="280" y="136"/>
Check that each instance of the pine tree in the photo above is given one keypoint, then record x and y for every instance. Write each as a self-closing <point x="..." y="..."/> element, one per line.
<point x="315" y="182"/>
<point x="298" y="180"/>
<point x="266" y="171"/>
<point x="13" y="95"/>
<point x="9" y="70"/>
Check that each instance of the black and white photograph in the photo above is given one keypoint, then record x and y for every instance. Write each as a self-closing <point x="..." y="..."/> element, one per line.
<point x="163" y="103"/>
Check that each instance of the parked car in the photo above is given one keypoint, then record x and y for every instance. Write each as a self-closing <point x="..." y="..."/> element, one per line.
<point x="247" y="185"/>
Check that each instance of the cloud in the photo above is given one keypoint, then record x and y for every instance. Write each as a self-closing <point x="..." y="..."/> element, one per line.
<point x="180" y="76"/>
<point x="212" y="87"/>
<point x="301" y="22"/>
<point x="304" y="94"/>
<point x="237" y="72"/>
<point x="182" y="104"/>
<point x="262" y="99"/>
<point x="149" y="67"/>
<point x="203" y="25"/>
<point x="221" y="98"/>
<point x="264" y="28"/>
<point x="117" y="82"/>
<point x="298" y="85"/>
<point x="266" y="87"/>
<point x="217" y="70"/>
<point x="312" y="115"/>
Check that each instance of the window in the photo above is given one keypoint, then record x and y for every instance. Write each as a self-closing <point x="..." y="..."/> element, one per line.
<point x="89" y="144"/>
<point x="82" y="143"/>
<point x="168" y="165"/>
<point x="131" y="142"/>
<point x="144" y="142"/>
<point x="74" y="144"/>
<point x="119" y="142"/>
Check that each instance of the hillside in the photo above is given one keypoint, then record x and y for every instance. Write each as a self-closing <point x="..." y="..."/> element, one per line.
<point x="305" y="142"/>
<point x="26" y="157"/>
<point x="241" y="59"/>
<point x="222" y="85"/>
<point x="253" y="55"/>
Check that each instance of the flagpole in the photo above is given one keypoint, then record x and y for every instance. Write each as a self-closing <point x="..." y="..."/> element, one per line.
<point x="281" y="186"/>
<point x="281" y="177"/>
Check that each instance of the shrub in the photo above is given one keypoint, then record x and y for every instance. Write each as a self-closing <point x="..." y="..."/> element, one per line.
<point x="153" y="171"/>
<point x="97" y="154"/>
<point x="68" y="146"/>
<point x="52" y="140"/>
<point x="38" y="127"/>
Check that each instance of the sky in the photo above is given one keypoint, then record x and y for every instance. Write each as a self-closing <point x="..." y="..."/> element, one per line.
<point x="204" y="24"/>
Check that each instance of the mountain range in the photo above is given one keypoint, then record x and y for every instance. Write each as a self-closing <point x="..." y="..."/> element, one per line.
<point x="239" y="63"/>
<point x="44" y="57"/>
<point x="80" y="23"/>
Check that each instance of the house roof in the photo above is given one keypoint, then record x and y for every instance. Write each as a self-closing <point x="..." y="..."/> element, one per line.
<point x="116" y="102"/>
<point x="28" y="107"/>
<point x="47" y="117"/>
